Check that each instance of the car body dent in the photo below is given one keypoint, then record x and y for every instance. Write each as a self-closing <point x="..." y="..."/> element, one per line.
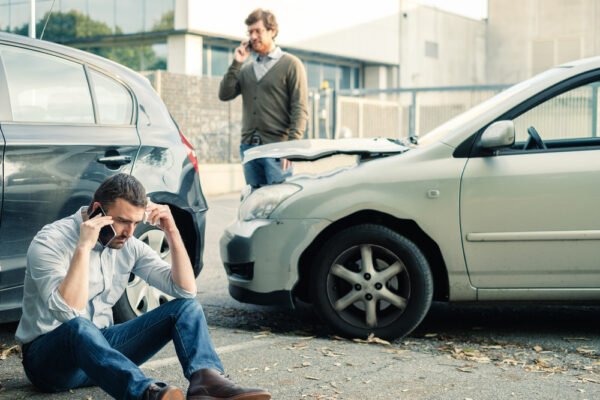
<point x="292" y="235"/>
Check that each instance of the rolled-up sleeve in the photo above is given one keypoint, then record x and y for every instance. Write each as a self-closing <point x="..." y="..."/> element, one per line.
<point x="48" y="267"/>
<point x="157" y="272"/>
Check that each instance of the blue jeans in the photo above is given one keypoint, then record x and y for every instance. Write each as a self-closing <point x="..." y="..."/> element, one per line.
<point x="263" y="171"/>
<point x="78" y="354"/>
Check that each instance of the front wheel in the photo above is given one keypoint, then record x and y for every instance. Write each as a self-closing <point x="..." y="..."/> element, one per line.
<point x="370" y="279"/>
<point x="139" y="297"/>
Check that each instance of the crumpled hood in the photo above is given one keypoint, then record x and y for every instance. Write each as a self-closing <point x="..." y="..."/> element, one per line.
<point x="314" y="149"/>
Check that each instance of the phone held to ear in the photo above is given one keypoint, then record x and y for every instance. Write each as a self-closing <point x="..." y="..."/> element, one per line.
<point x="107" y="232"/>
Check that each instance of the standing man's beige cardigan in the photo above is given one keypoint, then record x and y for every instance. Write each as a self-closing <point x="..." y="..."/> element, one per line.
<point x="276" y="106"/>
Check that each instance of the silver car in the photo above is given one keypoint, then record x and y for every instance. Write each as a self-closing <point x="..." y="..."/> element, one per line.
<point x="502" y="203"/>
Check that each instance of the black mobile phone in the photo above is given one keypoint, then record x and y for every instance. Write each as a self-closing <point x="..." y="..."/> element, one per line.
<point x="107" y="232"/>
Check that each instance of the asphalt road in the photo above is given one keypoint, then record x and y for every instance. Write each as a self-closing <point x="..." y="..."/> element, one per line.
<point x="459" y="352"/>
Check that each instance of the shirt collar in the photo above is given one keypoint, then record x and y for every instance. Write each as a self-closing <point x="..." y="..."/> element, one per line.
<point x="275" y="54"/>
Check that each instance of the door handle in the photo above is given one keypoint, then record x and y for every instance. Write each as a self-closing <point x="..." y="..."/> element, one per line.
<point x="115" y="160"/>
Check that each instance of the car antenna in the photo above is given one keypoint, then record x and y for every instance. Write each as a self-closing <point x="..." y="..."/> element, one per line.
<point x="47" y="19"/>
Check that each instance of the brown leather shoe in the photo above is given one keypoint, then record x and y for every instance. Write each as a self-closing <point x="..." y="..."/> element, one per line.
<point x="162" y="391"/>
<point x="210" y="384"/>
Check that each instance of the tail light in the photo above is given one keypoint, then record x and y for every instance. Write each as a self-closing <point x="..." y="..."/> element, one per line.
<point x="191" y="153"/>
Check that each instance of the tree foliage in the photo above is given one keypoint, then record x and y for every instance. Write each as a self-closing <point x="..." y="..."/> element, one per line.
<point x="67" y="27"/>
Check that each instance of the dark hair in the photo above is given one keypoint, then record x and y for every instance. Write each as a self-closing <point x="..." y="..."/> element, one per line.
<point x="267" y="17"/>
<point x="120" y="186"/>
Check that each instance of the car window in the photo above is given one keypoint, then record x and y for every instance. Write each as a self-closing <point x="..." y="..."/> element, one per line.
<point x="115" y="106"/>
<point x="569" y="116"/>
<point x="45" y="88"/>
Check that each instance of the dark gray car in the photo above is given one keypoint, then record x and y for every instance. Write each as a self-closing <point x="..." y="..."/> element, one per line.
<point x="68" y="120"/>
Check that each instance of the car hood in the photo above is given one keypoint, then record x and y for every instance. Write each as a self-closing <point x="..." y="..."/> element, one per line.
<point x="315" y="149"/>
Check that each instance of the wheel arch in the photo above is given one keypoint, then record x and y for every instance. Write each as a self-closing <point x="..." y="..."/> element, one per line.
<point x="185" y="219"/>
<point x="409" y="228"/>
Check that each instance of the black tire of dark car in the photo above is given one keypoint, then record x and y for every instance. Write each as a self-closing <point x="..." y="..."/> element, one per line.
<point x="139" y="297"/>
<point x="368" y="279"/>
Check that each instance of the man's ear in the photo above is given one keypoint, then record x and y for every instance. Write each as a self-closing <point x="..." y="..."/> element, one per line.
<point x="92" y="208"/>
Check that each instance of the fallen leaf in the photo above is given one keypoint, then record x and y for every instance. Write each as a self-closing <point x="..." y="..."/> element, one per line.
<point x="395" y="351"/>
<point x="311" y="378"/>
<point x="586" y="350"/>
<point x="372" y="339"/>
<point x="330" y="353"/>
<point x="261" y="335"/>
<point x="589" y="380"/>
<point x="8" y="351"/>
<point x="298" y="346"/>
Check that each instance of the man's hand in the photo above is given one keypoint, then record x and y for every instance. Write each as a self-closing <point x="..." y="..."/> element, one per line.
<point x="90" y="229"/>
<point x="160" y="215"/>
<point x="242" y="52"/>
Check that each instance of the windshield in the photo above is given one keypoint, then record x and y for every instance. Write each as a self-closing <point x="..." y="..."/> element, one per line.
<point x="482" y="108"/>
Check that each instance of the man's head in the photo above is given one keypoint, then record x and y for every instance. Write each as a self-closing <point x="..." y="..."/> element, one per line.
<point x="262" y="30"/>
<point x="124" y="198"/>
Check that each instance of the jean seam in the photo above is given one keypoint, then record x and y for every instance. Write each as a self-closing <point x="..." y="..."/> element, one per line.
<point x="183" y="349"/>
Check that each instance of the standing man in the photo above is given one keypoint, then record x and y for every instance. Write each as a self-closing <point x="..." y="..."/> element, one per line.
<point x="274" y="93"/>
<point x="72" y="281"/>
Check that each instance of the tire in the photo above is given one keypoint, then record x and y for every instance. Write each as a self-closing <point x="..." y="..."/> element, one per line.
<point x="388" y="297"/>
<point x="139" y="297"/>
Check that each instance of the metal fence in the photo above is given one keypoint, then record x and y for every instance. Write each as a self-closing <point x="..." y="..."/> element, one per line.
<point x="397" y="112"/>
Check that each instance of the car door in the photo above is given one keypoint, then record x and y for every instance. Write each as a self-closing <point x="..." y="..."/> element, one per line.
<point x="531" y="217"/>
<point x="69" y="127"/>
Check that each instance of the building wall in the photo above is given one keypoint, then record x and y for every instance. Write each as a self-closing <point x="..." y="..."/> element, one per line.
<point x="375" y="41"/>
<point x="211" y="125"/>
<point x="439" y="48"/>
<point x="543" y="33"/>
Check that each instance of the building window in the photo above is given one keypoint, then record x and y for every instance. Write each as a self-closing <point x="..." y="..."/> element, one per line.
<point x="336" y="76"/>
<point x="346" y="78"/>
<point x="216" y="60"/>
<point x="205" y="50"/>
<point x="431" y="49"/>
<point x="88" y="18"/>
<point x="219" y="60"/>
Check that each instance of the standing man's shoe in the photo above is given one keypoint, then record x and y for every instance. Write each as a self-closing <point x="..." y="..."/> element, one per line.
<point x="162" y="391"/>
<point x="210" y="384"/>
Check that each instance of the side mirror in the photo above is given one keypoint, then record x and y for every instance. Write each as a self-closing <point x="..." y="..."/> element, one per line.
<point x="497" y="135"/>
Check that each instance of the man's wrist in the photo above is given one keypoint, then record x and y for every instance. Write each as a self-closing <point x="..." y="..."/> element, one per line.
<point x="84" y="247"/>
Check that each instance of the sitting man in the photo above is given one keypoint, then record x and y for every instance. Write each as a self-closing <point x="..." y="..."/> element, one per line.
<point x="71" y="283"/>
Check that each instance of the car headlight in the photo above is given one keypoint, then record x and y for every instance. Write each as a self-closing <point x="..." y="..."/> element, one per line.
<point x="261" y="203"/>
